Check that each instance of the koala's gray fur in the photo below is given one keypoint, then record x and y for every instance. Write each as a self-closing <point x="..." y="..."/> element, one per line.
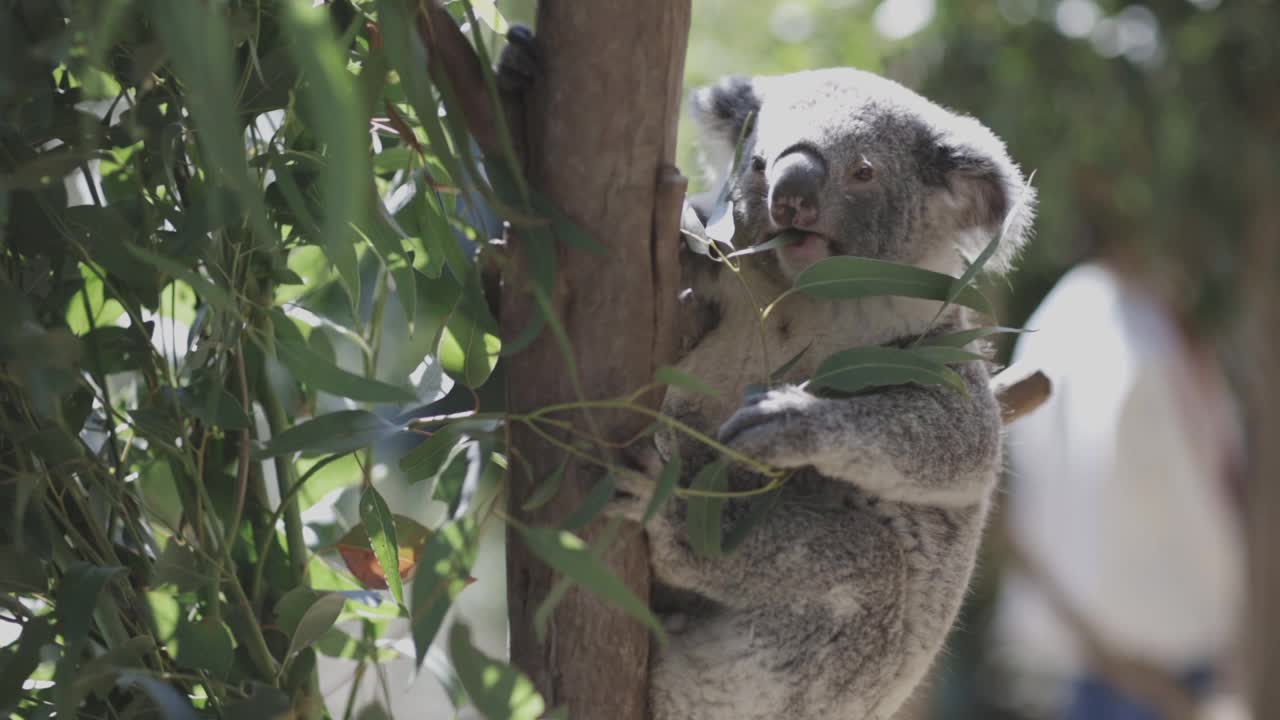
<point x="836" y="604"/>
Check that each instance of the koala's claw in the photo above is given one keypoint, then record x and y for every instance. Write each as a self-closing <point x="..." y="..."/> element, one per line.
<point x="768" y="426"/>
<point x="520" y="63"/>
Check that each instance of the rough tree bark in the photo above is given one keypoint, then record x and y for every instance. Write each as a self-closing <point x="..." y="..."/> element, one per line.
<point x="600" y="128"/>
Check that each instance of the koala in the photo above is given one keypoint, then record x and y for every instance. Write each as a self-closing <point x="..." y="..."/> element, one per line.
<point x="836" y="603"/>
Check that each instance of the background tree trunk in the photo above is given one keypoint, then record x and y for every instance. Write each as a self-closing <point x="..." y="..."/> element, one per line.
<point x="1261" y="345"/>
<point x="600" y="128"/>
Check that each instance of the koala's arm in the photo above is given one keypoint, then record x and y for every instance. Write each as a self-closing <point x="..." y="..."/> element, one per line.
<point x="925" y="445"/>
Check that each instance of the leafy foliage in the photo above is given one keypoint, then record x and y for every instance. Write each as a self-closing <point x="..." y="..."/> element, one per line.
<point x="229" y="236"/>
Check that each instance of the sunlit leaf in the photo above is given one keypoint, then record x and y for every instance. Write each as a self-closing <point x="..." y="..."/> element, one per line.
<point x="443" y="573"/>
<point x="358" y="554"/>
<point x="331" y="103"/>
<point x="498" y="690"/>
<point x="382" y="539"/>
<point x="570" y="556"/>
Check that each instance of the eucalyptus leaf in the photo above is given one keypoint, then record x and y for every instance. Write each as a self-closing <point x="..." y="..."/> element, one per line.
<point x="546" y="489"/>
<point x="845" y="277"/>
<point x="705" y="511"/>
<point x="599" y="496"/>
<point x="75" y="604"/>
<point x="860" y="369"/>
<point x="315" y="621"/>
<point x="331" y="103"/>
<point x="498" y="690"/>
<point x="570" y="556"/>
<point x="442" y="573"/>
<point x="205" y="645"/>
<point x="381" y="527"/>
<point x="338" y="432"/>
<point x="664" y="488"/>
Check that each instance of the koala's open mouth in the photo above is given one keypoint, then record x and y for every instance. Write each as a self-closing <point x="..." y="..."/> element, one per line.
<point x="798" y="249"/>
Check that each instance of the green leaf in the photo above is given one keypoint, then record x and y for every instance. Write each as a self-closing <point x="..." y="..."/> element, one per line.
<point x="199" y="42"/>
<point x="705" y="511"/>
<point x="668" y="375"/>
<point x="846" y="277"/>
<point x="116" y="349"/>
<point x="442" y="573"/>
<point x="205" y="645"/>
<point x="469" y="350"/>
<point x="22" y="662"/>
<point x="210" y="293"/>
<point x="21" y="572"/>
<point x="429" y="456"/>
<point x="570" y="556"/>
<point x="665" y="487"/>
<point x="547" y="489"/>
<point x="179" y="566"/>
<point x="601" y="493"/>
<point x="214" y="405"/>
<point x="333" y="109"/>
<point x="169" y="702"/>
<point x="316" y="619"/>
<point x="498" y="690"/>
<point x="381" y="527"/>
<point x="858" y="369"/>
<point x="76" y="601"/>
<point x="338" y="432"/>
<point x="386" y="241"/>
<point x="760" y="508"/>
<point x="322" y="374"/>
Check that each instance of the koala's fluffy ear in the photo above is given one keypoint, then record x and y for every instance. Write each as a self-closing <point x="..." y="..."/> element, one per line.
<point x="721" y="110"/>
<point x="980" y="193"/>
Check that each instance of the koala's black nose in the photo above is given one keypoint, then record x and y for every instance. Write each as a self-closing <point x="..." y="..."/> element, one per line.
<point x="797" y="180"/>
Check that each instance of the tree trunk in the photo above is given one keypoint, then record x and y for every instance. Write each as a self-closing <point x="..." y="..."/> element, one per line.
<point x="600" y="127"/>
<point x="1261" y="345"/>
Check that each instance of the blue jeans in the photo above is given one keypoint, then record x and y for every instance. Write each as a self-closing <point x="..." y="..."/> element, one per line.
<point x="1093" y="699"/>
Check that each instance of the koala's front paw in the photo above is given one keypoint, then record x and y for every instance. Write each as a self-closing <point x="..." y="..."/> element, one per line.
<point x="774" y="427"/>
<point x="520" y="62"/>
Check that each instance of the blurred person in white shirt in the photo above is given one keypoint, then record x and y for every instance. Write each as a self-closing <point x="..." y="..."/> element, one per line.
<point x="1120" y="501"/>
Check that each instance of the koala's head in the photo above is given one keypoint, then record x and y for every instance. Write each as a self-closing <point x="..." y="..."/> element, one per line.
<point x="849" y="163"/>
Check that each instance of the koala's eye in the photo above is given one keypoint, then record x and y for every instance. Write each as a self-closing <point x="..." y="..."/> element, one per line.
<point x="757" y="164"/>
<point x="863" y="171"/>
